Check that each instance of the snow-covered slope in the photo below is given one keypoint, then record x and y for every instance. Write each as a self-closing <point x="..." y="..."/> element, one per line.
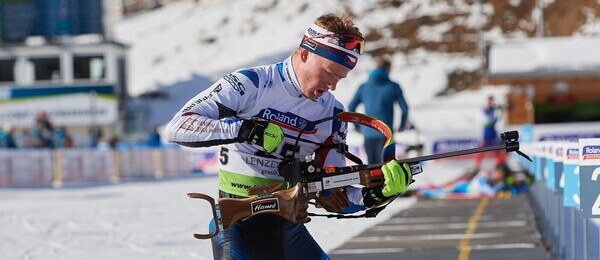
<point x="184" y="46"/>
<point x="191" y="44"/>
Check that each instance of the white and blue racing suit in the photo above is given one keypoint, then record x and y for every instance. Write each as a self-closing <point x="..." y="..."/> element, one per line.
<point x="272" y="92"/>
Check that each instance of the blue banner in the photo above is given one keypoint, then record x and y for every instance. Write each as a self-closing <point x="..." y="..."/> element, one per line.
<point x="571" y="189"/>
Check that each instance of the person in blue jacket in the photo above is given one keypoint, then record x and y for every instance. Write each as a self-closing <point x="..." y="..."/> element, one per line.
<point x="378" y="95"/>
<point x="490" y="135"/>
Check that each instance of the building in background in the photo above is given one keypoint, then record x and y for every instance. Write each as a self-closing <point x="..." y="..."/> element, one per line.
<point x="552" y="79"/>
<point x="49" y="18"/>
<point x="54" y="57"/>
<point x="80" y="86"/>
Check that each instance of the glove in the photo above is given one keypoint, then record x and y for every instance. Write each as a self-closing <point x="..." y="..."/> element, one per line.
<point x="396" y="179"/>
<point x="335" y="202"/>
<point x="260" y="132"/>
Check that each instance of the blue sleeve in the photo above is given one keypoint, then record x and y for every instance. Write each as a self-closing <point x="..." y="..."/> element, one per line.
<point x="403" y="106"/>
<point x="356" y="100"/>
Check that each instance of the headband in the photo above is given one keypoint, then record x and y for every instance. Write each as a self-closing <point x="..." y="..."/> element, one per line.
<point x="327" y="48"/>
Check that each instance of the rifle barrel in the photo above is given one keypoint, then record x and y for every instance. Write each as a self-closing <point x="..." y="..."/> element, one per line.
<point x="441" y="155"/>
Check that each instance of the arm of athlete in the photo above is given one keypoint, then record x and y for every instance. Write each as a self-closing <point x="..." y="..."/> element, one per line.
<point x="209" y="118"/>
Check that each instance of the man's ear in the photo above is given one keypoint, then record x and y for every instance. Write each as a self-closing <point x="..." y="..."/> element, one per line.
<point x="303" y="55"/>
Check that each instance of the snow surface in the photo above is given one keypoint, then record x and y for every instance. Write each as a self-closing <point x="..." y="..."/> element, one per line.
<point x="146" y="220"/>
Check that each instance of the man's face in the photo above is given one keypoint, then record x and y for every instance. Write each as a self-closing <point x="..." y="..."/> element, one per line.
<point x="318" y="75"/>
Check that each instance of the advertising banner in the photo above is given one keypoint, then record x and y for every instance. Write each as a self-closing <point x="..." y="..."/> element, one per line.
<point x="571" y="173"/>
<point x="559" y="179"/>
<point x="589" y="163"/>
<point x="71" y="106"/>
<point x="549" y="171"/>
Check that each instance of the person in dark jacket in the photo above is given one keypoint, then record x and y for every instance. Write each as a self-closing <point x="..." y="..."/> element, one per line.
<point x="378" y="95"/>
<point x="492" y="113"/>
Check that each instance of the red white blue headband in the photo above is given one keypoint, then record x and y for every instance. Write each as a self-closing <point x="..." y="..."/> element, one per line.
<point x="343" y="49"/>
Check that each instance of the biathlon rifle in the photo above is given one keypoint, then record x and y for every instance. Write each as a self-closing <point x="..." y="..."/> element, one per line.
<point x="310" y="180"/>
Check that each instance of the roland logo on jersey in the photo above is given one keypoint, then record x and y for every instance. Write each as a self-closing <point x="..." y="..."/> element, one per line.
<point x="265" y="205"/>
<point x="296" y="122"/>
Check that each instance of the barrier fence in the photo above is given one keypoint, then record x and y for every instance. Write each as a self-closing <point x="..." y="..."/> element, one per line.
<point x="566" y="195"/>
<point x="55" y="168"/>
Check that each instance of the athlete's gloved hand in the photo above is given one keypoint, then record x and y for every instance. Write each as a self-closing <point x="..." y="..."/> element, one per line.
<point x="260" y="132"/>
<point x="397" y="178"/>
<point x="334" y="202"/>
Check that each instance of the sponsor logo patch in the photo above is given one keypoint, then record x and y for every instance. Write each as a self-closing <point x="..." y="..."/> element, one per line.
<point x="591" y="152"/>
<point x="559" y="151"/>
<point x="312" y="32"/>
<point x="310" y="44"/>
<point x="265" y="205"/>
<point x="235" y="83"/>
<point x="573" y="153"/>
<point x="292" y="120"/>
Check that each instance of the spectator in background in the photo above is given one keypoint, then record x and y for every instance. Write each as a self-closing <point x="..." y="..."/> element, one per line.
<point x="36" y="139"/>
<point x="94" y="135"/>
<point x="25" y="139"/>
<point x="7" y="137"/>
<point x="59" y="135"/>
<point x="113" y="142"/>
<point x="2" y="138"/>
<point x="153" y="139"/>
<point x="492" y="113"/>
<point x="43" y="131"/>
<point x="62" y="138"/>
<point x="378" y="95"/>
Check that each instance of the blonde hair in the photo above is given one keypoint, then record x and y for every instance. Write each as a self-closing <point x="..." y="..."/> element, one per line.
<point x="335" y="24"/>
<point x="338" y="24"/>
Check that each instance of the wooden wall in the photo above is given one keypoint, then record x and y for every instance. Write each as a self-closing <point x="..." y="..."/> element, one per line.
<point x="584" y="89"/>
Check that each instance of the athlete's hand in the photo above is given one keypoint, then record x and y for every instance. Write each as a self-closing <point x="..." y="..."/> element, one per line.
<point x="397" y="178"/>
<point x="260" y="132"/>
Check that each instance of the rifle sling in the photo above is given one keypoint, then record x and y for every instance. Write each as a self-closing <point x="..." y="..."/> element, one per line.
<point x="370" y="213"/>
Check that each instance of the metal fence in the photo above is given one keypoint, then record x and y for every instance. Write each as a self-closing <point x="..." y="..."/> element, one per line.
<point x="569" y="225"/>
<point x="58" y="167"/>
